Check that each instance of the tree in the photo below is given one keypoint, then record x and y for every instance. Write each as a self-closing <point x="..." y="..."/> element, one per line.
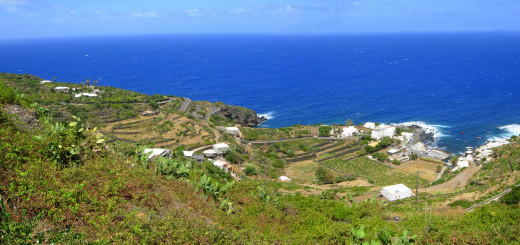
<point x="88" y="82"/>
<point x="454" y="160"/>
<point x="154" y="105"/>
<point x="324" y="176"/>
<point x="398" y="131"/>
<point x="250" y="170"/>
<point x="413" y="156"/>
<point x="324" y="131"/>
<point x="385" y="142"/>
<point x="95" y="82"/>
<point x="349" y="122"/>
<point x="513" y="197"/>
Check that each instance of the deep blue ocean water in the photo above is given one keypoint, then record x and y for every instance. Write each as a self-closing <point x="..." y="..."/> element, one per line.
<point x="455" y="82"/>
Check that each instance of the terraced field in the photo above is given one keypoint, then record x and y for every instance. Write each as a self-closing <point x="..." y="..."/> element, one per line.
<point x="378" y="173"/>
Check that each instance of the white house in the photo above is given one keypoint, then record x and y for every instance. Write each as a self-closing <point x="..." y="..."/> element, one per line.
<point x="61" y="89"/>
<point x="188" y="154"/>
<point x="209" y="153"/>
<point x="85" y="95"/>
<point x="383" y="131"/>
<point x="370" y="125"/>
<point x="222" y="165"/>
<point x="462" y="163"/>
<point x="220" y="148"/>
<point x="349" y="131"/>
<point x="396" y="192"/>
<point x="284" y="179"/>
<point x="157" y="152"/>
<point x="232" y="131"/>
<point x="407" y="136"/>
<point x="392" y="152"/>
<point x="45" y="81"/>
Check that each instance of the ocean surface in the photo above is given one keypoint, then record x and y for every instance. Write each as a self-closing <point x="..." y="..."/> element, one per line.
<point x="452" y="82"/>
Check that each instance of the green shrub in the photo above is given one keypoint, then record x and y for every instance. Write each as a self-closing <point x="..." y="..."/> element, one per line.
<point x="324" y="175"/>
<point x="324" y="131"/>
<point x="463" y="203"/>
<point x="413" y="156"/>
<point x="513" y="197"/>
<point x="250" y="170"/>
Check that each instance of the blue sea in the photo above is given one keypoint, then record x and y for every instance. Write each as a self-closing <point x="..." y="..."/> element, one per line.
<point x="453" y="82"/>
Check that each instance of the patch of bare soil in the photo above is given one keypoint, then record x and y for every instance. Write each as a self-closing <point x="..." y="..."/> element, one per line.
<point x="428" y="169"/>
<point x="27" y="119"/>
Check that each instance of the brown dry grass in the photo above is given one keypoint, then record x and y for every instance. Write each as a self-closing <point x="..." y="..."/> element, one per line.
<point x="148" y="128"/>
<point x="428" y="169"/>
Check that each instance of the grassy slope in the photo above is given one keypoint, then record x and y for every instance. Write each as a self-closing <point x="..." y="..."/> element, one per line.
<point x="108" y="198"/>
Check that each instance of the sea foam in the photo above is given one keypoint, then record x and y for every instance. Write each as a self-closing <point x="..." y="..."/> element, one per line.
<point x="268" y="115"/>
<point x="507" y="132"/>
<point x="434" y="130"/>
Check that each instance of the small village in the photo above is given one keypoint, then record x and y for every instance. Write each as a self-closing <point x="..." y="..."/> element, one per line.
<point x="407" y="146"/>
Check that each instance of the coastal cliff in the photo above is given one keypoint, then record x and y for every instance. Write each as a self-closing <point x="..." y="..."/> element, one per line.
<point x="241" y="115"/>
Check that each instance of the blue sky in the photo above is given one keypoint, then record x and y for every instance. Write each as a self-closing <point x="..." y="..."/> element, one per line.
<point x="47" y="18"/>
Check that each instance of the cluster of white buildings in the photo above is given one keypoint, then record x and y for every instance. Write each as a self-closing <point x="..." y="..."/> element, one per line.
<point x="382" y="131"/>
<point x="63" y="89"/>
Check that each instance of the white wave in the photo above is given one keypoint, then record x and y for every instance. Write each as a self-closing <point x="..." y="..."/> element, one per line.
<point x="507" y="132"/>
<point x="434" y="130"/>
<point x="268" y="115"/>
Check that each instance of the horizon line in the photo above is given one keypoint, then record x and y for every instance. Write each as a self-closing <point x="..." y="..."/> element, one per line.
<point x="368" y="33"/>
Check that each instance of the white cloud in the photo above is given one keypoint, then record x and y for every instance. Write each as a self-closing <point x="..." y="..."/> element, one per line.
<point x="150" y="14"/>
<point x="239" y="11"/>
<point x="289" y="8"/>
<point x="12" y="2"/>
<point x="192" y="12"/>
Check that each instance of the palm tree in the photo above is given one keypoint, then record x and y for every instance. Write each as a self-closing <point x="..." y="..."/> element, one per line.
<point x="88" y="82"/>
<point x="95" y="82"/>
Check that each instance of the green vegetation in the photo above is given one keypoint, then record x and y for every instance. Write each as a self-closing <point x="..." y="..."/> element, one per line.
<point x="63" y="184"/>
<point x="324" y="176"/>
<point x="383" y="143"/>
<point x="250" y="170"/>
<point x="513" y="197"/>
<point x="324" y="131"/>
<point x="372" y="170"/>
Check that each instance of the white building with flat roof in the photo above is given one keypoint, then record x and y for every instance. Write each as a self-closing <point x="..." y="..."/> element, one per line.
<point x="407" y="136"/>
<point x="233" y="131"/>
<point x="61" y="89"/>
<point x="156" y="152"/>
<point x="370" y="125"/>
<point x="220" y="148"/>
<point x="349" y="131"/>
<point x="382" y="131"/>
<point x="396" y="192"/>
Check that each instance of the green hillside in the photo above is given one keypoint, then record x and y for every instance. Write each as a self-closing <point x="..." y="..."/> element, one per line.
<point x="62" y="183"/>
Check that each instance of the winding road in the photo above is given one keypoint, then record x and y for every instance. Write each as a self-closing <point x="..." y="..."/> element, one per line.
<point x="185" y="104"/>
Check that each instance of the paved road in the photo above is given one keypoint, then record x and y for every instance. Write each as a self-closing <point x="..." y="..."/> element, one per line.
<point x="185" y="105"/>
<point x="212" y="111"/>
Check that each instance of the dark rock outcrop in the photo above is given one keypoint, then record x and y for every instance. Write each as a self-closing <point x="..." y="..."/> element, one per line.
<point x="27" y="119"/>
<point x="241" y="115"/>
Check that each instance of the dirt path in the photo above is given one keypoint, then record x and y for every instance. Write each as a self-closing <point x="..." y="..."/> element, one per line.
<point x="456" y="182"/>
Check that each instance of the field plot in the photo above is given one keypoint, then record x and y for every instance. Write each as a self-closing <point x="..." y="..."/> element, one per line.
<point x="302" y="172"/>
<point x="428" y="169"/>
<point x="374" y="171"/>
<point x="161" y="131"/>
